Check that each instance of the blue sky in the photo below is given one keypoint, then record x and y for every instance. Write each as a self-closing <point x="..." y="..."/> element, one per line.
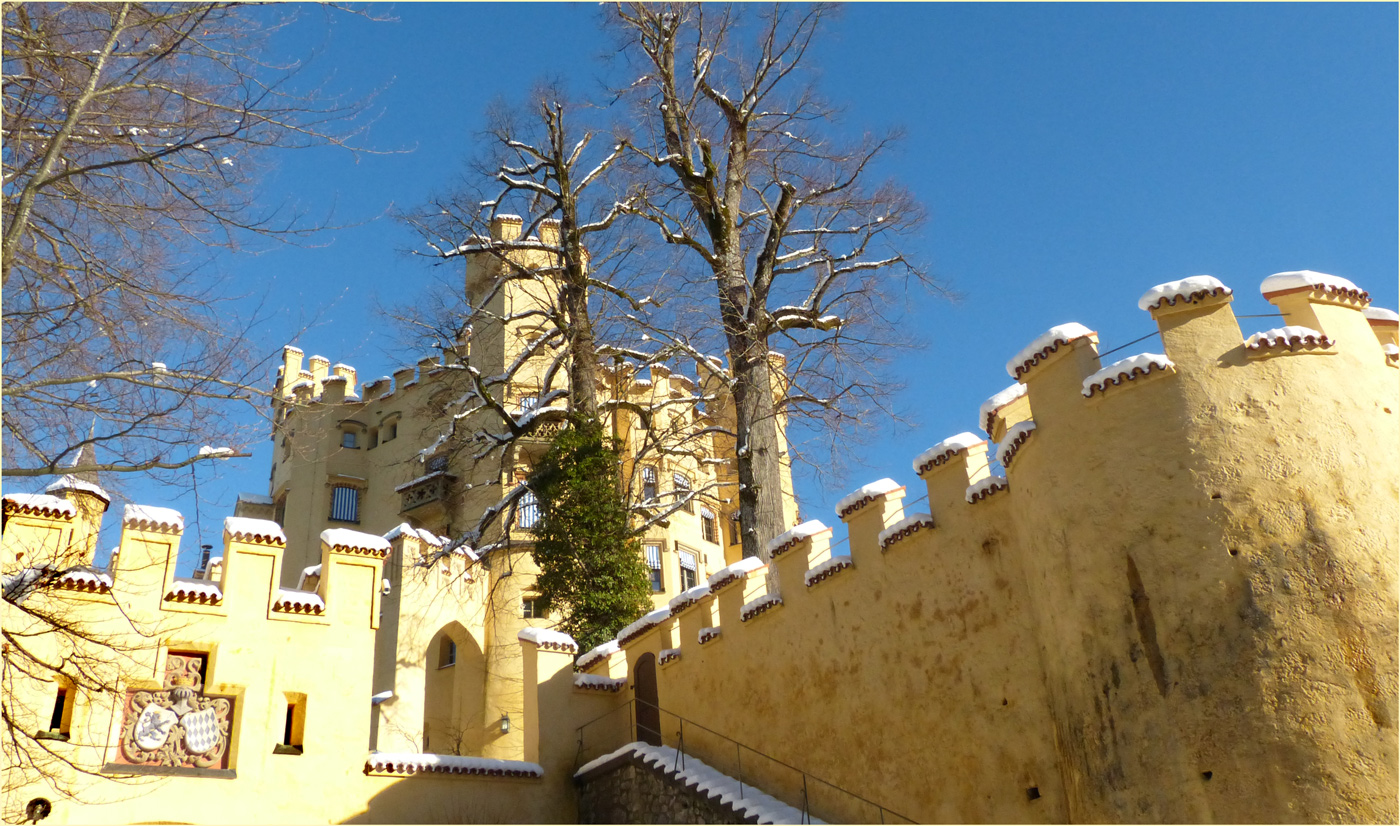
<point x="1070" y="157"/>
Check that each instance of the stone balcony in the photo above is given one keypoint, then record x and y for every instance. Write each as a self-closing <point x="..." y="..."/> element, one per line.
<point x="426" y="497"/>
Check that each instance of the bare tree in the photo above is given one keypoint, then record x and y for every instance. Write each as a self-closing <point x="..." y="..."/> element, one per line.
<point x="44" y="644"/>
<point x="570" y="258"/>
<point x="134" y="136"/>
<point x="799" y="247"/>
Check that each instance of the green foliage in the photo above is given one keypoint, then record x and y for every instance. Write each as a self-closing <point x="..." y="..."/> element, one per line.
<point x="591" y="569"/>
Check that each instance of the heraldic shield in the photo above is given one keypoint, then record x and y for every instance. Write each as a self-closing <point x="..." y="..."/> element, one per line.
<point x="177" y="729"/>
<point x="201" y="730"/>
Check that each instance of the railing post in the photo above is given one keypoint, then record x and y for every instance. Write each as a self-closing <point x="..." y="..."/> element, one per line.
<point x="739" y="760"/>
<point x="680" y="746"/>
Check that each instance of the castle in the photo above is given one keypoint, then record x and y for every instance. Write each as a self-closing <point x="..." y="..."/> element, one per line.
<point x="1178" y="602"/>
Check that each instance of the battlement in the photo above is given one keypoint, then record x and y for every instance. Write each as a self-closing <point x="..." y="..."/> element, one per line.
<point x="1148" y="511"/>
<point x="40" y="533"/>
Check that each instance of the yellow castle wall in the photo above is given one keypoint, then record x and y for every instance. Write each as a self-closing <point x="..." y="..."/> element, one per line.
<point x="255" y="653"/>
<point x="1182" y="608"/>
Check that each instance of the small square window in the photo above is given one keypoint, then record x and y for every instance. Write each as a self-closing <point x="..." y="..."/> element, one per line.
<point x="528" y="609"/>
<point x="348" y="438"/>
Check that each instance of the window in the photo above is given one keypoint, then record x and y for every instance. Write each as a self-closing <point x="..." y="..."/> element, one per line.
<point x="279" y="510"/>
<point x="437" y="464"/>
<point x="527" y="510"/>
<point x="688" y="572"/>
<point x="653" y="555"/>
<point x="734" y="528"/>
<point x="709" y="526"/>
<point x="648" y="483"/>
<point x="373" y="438"/>
<point x="62" y="716"/>
<point x="447" y="652"/>
<point x="294" y="727"/>
<point x="528" y="403"/>
<point x="390" y="430"/>
<point x="349" y="439"/>
<point x="681" y="483"/>
<point x="528" y="609"/>
<point x="345" y="504"/>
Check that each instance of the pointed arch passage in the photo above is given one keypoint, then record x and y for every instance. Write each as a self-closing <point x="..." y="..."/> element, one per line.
<point x="648" y="703"/>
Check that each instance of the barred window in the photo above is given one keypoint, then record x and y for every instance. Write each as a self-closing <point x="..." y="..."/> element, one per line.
<point x="653" y="555"/>
<point x="527" y="510"/>
<point x="709" y="526"/>
<point x="528" y="403"/>
<point x="681" y="484"/>
<point x="688" y="572"/>
<point x="648" y="483"/>
<point x="345" y="504"/>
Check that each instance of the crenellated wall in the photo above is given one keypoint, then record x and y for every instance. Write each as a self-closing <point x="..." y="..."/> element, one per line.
<point x="226" y="699"/>
<point x="1179" y="605"/>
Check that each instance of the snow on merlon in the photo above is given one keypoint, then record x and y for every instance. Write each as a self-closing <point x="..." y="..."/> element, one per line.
<point x="1282" y="281"/>
<point x="1381" y="314"/>
<point x="1186" y="290"/>
<point x="904" y="527"/>
<point x="758" y="605"/>
<point x="355" y="541"/>
<point x="997" y="402"/>
<point x="985" y="488"/>
<point x="811" y="527"/>
<point x="1126" y="370"/>
<point x="739" y="569"/>
<point x="643" y="624"/>
<point x="685" y="598"/>
<point x="548" y="638"/>
<point x="1287" y="337"/>
<point x="1045" y="344"/>
<point x="70" y="482"/>
<point x="595" y="681"/>
<point x="949" y="447"/>
<point x="828" y="567"/>
<point x="602" y="652"/>
<point x="880" y="487"/>
<point x="1016" y="436"/>
<point x="142" y="515"/>
<point x="42" y="501"/>
<point x="259" y="530"/>
<point x="1391" y="351"/>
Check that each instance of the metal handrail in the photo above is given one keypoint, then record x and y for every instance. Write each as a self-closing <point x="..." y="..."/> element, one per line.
<point x="738" y="751"/>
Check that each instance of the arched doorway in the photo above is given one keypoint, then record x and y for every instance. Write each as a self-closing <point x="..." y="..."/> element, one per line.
<point x="648" y="704"/>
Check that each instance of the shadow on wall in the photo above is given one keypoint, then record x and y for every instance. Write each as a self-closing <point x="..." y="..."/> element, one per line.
<point x="454" y="693"/>
<point x="458" y="799"/>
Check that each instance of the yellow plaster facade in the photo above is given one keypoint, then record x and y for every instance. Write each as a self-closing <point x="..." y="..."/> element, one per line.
<point x="1179" y="603"/>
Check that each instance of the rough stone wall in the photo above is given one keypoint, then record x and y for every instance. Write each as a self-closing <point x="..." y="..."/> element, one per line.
<point x="629" y="793"/>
